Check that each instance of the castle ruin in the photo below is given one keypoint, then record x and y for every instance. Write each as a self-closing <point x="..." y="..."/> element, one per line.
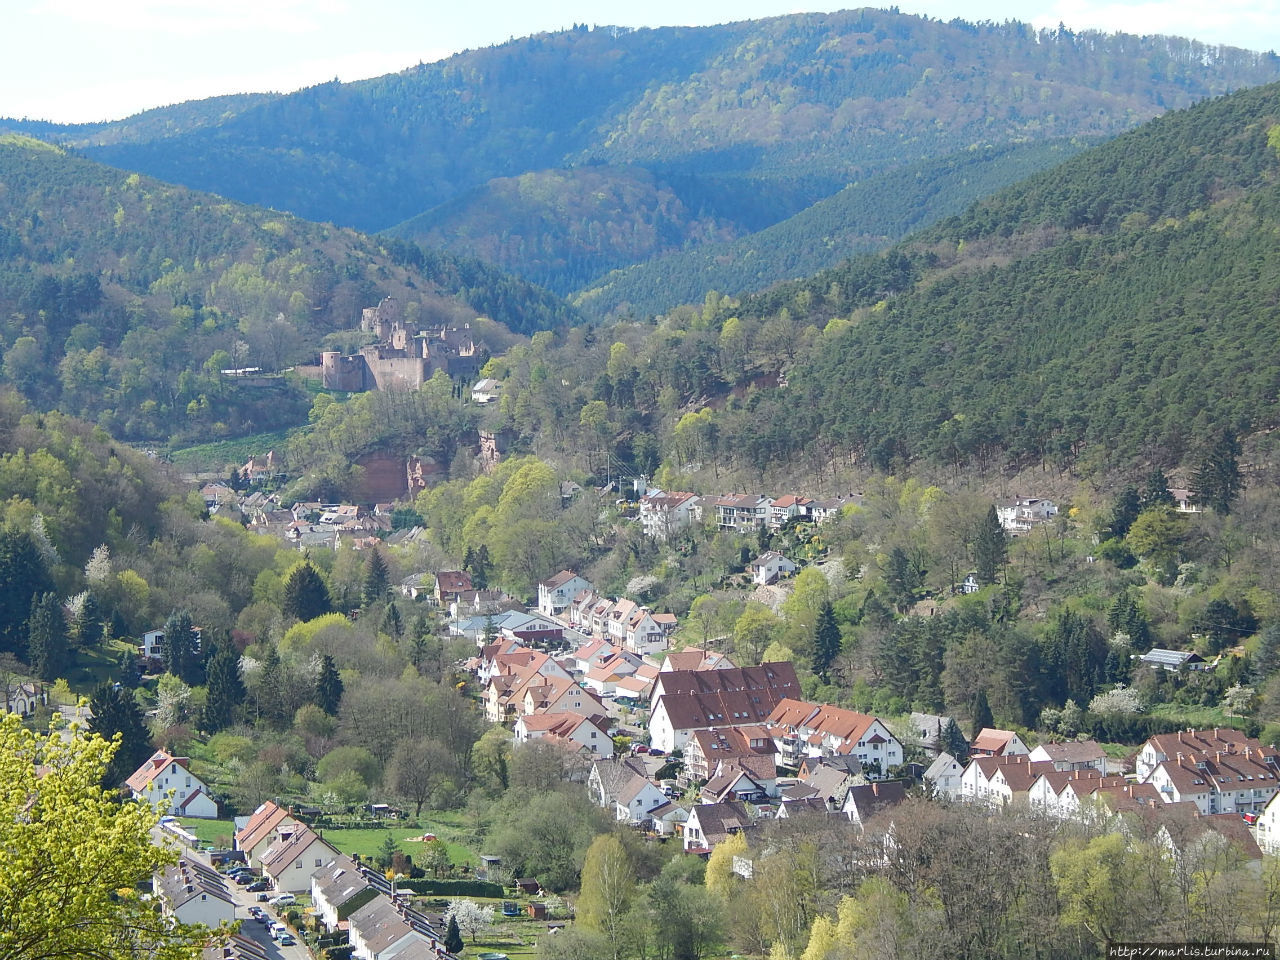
<point x="401" y="359"/>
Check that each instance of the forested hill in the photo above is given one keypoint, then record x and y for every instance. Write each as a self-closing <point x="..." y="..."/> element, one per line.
<point x="746" y="123"/>
<point x="124" y="296"/>
<point x="1121" y="305"/>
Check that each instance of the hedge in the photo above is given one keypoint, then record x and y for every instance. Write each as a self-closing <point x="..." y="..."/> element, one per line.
<point x="452" y="888"/>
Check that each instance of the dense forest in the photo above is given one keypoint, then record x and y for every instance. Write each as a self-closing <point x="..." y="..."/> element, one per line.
<point x="124" y="297"/>
<point x="745" y="124"/>
<point x="1113" y="311"/>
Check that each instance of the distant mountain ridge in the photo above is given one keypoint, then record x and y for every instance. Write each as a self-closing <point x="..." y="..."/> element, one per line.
<point x="728" y="118"/>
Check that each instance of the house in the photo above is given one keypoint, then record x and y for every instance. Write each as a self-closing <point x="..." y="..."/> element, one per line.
<point x="1184" y="500"/>
<point x="943" y="776"/>
<point x="451" y="585"/>
<point x="713" y="823"/>
<point x="1021" y="514"/>
<point x="1267" y="828"/>
<point x="572" y="729"/>
<point x="997" y="743"/>
<point x="646" y="633"/>
<point x="486" y="390"/>
<point x="688" y="700"/>
<point x="866" y="800"/>
<point x="706" y="749"/>
<point x="623" y="787"/>
<point x="22" y="696"/>
<point x="787" y="507"/>
<point x="260" y="830"/>
<point x="931" y="731"/>
<point x="802" y="729"/>
<point x="1001" y="780"/>
<point x="167" y="783"/>
<point x="1228" y="781"/>
<point x="751" y="779"/>
<point x="1073" y="755"/>
<point x="377" y="931"/>
<point x="1225" y="739"/>
<point x="769" y="567"/>
<point x="695" y="658"/>
<point x="236" y="947"/>
<point x="193" y="892"/>
<point x="153" y="643"/>
<point x="1173" y="660"/>
<point x="294" y="856"/>
<point x="668" y="819"/>
<point x="664" y="514"/>
<point x="831" y="508"/>
<point x="969" y="585"/>
<point x="744" y="513"/>
<point x="338" y="889"/>
<point x="555" y="594"/>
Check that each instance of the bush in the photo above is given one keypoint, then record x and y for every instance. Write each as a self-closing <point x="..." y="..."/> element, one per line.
<point x="452" y="888"/>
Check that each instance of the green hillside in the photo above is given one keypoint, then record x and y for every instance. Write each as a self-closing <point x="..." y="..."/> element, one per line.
<point x="791" y="108"/>
<point x="124" y="297"/>
<point x="863" y="217"/>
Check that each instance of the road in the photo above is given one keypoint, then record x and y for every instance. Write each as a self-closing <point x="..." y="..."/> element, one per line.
<point x="244" y="900"/>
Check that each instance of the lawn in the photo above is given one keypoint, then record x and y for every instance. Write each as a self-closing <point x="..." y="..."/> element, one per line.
<point x="368" y="842"/>
<point x="215" y="832"/>
<point x="1196" y="716"/>
<point x="218" y="454"/>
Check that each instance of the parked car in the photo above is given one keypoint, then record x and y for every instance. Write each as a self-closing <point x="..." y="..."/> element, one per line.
<point x="243" y="878"/>
<point x="262" y="898"/>
<point x="283" y="900"/>
<point x="258" y="886"/>
<point x="286" y="940"/>
<point x="640" y="748"/>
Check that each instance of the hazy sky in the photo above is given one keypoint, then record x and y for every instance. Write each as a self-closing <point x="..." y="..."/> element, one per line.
<point x="79" y="60"/>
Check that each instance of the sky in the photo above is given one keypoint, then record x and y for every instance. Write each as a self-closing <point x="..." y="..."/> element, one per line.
<point x="76" y="61"/>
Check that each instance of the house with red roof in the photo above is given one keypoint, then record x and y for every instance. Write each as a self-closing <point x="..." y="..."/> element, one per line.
<point x="575" y="730"/>
<point x="167" y="783"/>
<point x="997" y="743"/>
<point x="802" y="729"/>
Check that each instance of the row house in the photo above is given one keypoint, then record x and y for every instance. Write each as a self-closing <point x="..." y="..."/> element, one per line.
<point x="802" y="729"/>
<point x="1073" y="755"/>
<point x="1218" y="782"/>
<point x="260" y="831"/>
<point x="293" y="857"/>
<point x="999" y="781"/>
<point x="943" y="776"/>
<point x="707" y="749"/>
<point x="664" y="514"/>
<point x="695" y="658"/>
<point x="573" y="730"/>
<point x="745" y="779"/>
<point x="1162" y="746"/>
<point x="689" y="700"/>
<point x="338" y="889"/>
<point x="193" y="892"/>
<point x="1021" y="514"/>
<point x="622" y="622"/>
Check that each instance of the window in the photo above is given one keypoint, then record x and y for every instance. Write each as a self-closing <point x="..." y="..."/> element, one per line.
<point x="298" y="864"/>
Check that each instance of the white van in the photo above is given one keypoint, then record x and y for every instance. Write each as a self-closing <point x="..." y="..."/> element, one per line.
<point x="278" y="930"/>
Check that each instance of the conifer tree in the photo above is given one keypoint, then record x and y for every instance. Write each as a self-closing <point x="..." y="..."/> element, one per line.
<point x="305" y="594"/>
<point x="267" y="690"/>
<point x="23" y="579"/>
<point x="224" y="691"/>
<point x="328" y="687"/>
<point x="990" y="548"/>
<point x="982" y="717"/>
<point x="1126" y="509"/>
<point x="392" y="625"/>
<point x="127" y="666"/>
<point x="453" y="937"/>
<point x="180" y="655"/>
<point x="377" y="580"/>
<point x="47" y="638"/>
<point x="826" y="640"/>
<point x="1155" y="490"/>
<point x="1217" y="480"/>
<point x="114" y="711"/>
<point x="953" y="741"/>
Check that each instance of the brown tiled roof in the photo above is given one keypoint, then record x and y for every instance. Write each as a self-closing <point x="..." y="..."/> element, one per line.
<point x="453" y="581"/>
<point x="261" y="824"/>
<point x="871" y="798"/>
<point x="1074" y="751"/>
<point x="719" y="820"/>
<point x="990" y="740"/>
<point x="559" y="580"/>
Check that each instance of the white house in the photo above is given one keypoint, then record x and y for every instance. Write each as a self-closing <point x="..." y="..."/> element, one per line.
<point x="1073" y="755"/>
<point x="991" y="742"/>
<point x="569" y="728"/>
<point x="802" y="729"/>
<point x="194" y="892"/>
<point x="294" y="856"/>
<point x="153" y="643"/>
<point x="1218" y="739"/>
<point x="1217" y="782"/>
<point x="378" y="932"/>
<point x="23" y="696"/>
<point x="663" y="514"/>
<point x="337" y="889"/>
<point x="486" y="390"/>
<point x="1021" y="514"/>
<point x="944" y="776"/>
<point x="713" y="823"/>
<point x="769" y="567"/>
<point x="260" y="830"/>
<point x="1267" y="829"/>
<point x="555" y="594"/>
<point x="167" y="783"/>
